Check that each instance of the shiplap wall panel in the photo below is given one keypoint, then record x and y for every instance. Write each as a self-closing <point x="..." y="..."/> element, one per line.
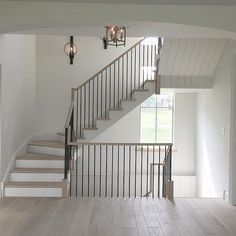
<point x="189" y="63"/>
<point x="188" y="57"/>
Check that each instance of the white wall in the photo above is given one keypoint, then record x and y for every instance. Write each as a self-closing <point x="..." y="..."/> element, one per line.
<point x="17" y="57"/>
<point x="55" y="77"/>
<point x="184" y="134"/>
<point x="213" y="115"/>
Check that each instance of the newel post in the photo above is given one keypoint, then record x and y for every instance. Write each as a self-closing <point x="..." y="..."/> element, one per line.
<point x="158" y="76"/>
<point x="170" y="182"/>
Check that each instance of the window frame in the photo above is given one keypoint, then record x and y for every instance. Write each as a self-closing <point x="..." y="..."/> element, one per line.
<point x="156" y="107"/>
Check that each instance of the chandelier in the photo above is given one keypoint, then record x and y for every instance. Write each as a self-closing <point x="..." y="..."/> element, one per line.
<point x="115" y="36"/>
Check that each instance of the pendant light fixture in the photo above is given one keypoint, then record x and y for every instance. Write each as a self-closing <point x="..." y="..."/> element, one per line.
<point x="115" y="36"/>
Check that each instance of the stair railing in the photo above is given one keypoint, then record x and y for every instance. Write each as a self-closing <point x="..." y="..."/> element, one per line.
<point x="116" y="82"/>
<point x="122" y="170"/>
<point x="104" y="91"/>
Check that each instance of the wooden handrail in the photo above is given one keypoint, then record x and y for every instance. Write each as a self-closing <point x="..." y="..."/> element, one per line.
<point x="87" y="81"/>
<point x="67" y="124"/>
<point x="126" y="144"/>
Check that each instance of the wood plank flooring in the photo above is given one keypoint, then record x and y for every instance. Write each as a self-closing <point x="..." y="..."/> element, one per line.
<point x="116" y="217"/>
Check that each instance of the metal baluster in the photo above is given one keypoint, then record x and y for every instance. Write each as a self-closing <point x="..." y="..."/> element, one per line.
<point x="110" y="89"/>
<point x="154" y="61"/>
<point x="80" y="108"/>
<point x="135" y="172"/>
<point x="143" y="63"/>
<point x="94" y="170"/>
<point x="100" y="174"/>
<point x="106" y="95"/>
<point x="148" y="62"/>
<point x="118" y="83"/>
<point x="170" y="164"/>
<point x="82" y="172"/>
<point x="123" y="76"/>
<point x="85" y="106"/>
<point x="153" y="174"/>
<point x="114" y="87"/>
<point x="129" y="167"/>
<point x="135" y="68"/>
<point x="131" y="73"/>
<point x="124" y="171"/>
<point x="89" y="104"/>
<point x="77" y="109"/>
<point x="159" y="169"/>
<point x="101" y="91"/>
<point x="127" y="75"/>
<point x="118" y="169"/>
<point x="163" y="181"/>
<point x="76" y="173"/>
<point x="139" y="65"/>
<point x="97" y="94"/>
<point x="106" y="175"/>
<point x="141" y="171"/>
<point x="147" y="169"/>
<point x="112" y="167"/>
<point x="88" y="166"/>
<point x="93" y="107"/>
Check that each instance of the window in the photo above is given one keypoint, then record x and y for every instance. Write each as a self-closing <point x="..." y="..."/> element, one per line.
<point x="157" y="119"/>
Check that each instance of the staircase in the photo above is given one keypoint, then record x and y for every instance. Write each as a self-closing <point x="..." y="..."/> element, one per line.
<point x="114" y="91"/>
<point x="95" y="105"/>
<point x="39" y="172"/>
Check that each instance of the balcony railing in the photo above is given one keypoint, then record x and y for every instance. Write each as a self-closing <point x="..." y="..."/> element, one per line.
<point x="121" y="170"/>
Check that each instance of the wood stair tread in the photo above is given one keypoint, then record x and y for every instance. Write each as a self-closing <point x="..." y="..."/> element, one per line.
<point x="39" y="156"/>
<point x="39" y="170"/>
<point x="19" y="184"/>
<point x="48" y="143"/>
<point x="141" y="90"/>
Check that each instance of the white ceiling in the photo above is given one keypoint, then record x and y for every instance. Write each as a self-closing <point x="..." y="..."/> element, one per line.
<point x="190" y="57"/>
<point x="163" y="2"/>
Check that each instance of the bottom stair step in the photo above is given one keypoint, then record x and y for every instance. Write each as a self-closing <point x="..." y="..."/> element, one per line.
<point x="37" y="174"/>
<point x="35" y="189"/>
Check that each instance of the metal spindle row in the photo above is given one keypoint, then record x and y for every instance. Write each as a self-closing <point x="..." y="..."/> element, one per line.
<point x="122" y="170"/>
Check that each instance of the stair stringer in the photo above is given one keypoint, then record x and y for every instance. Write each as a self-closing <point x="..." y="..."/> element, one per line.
<point x="126" y="106"/>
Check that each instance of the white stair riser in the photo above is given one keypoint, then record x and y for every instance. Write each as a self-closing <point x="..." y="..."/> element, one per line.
<point x="33" y="192"/>
<point x="47" y="150"/>
<point x="39" y="164"/>
<point x="34" y="177"/>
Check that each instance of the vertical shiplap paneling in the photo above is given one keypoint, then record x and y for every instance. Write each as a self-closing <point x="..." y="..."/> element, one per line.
<point x="189" y="63"/>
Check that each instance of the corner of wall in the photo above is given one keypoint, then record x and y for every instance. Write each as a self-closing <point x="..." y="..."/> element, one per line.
<point x="19" y="151"/>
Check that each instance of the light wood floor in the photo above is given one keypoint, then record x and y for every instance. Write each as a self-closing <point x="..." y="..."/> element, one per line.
<point x="123" y="217"/>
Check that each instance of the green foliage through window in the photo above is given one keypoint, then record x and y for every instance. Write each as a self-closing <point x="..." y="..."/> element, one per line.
<point x="157" y="119"/>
